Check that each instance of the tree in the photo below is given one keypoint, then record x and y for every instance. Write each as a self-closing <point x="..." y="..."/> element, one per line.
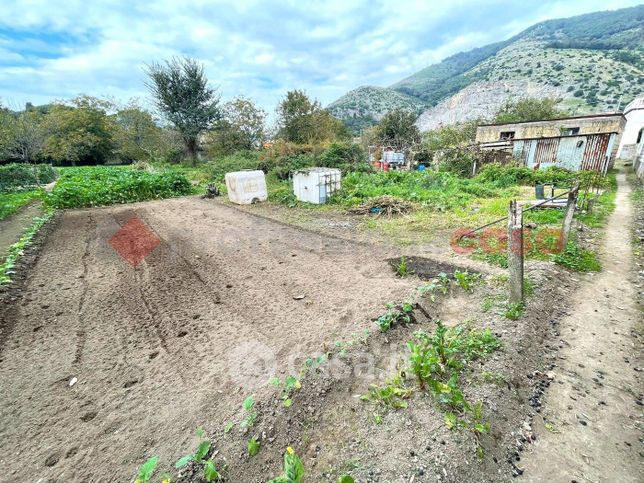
<point x="181" y="93"/>
<point x="302" y="120"/>
<point x="79" y="133"/>
<point x="137" y="135"/>
<point x="242" y="127"/>
<point x="398" y="126"/>
<point x="26" y="136"/>
<point x="528" y="109"/>
<point x="452" y="147"/>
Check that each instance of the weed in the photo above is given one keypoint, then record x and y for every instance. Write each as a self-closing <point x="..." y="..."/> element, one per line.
<point x="346" y="479"/>
<point x="493" y="378"/>
<point x="466" y="280"/>
<point x="253" y="446"/>
<point x="146" y="471"/>
<point x="228" y="427"/>
<point x="578" y="259"/>
<point x="528" y="287"/>
<point x="497" y="259"/>
<point x="293" y="469"/>
<point x="377" y="419"/>
<point x="396" y="314"/>
<point x="514" y="311"/>
<point x="402" y="268"/>
<point x="391" y="394"/>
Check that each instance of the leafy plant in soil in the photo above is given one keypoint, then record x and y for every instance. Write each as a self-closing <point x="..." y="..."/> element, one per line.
<point x="289" y="385"/>
<point x="251" y="415"/>
<point x="146" y="471"/>
<point x="396" y="314"/>
<point x="466" y="280"/>
<point x="253" y="446"/>
<point x="293" y="469"/>
<point x="199" y="457"/>
<point x="402" y="268"/>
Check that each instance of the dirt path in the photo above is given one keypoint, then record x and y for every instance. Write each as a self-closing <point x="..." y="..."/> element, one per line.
<point x="175" y="343"/>
<point x="12" y="228"/>
<point x="593" y="411"/>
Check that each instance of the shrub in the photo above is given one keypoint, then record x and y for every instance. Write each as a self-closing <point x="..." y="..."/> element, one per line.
<point x="95" y="186"/>
<point x="15" y="175"/>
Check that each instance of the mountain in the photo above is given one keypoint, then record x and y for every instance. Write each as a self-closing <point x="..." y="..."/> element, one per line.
<point x="592" y="62"/>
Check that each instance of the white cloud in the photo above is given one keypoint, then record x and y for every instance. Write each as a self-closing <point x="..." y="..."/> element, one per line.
<point x="52" y="49"/>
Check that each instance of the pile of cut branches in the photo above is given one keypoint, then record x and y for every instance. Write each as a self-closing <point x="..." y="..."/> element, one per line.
<point x="383" y="206"/>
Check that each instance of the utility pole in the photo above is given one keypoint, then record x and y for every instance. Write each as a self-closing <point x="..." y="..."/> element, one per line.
<point x="515" y="252"/>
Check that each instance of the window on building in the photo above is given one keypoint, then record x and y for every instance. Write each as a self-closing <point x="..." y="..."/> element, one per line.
<point x="506" y="135"/>
<point x="569" y="131"/>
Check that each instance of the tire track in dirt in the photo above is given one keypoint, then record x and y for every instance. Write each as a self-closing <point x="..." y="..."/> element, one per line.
<point x="80" y="331"/>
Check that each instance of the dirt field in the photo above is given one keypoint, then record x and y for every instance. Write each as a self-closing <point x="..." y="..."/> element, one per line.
<point x="175" y="343"/>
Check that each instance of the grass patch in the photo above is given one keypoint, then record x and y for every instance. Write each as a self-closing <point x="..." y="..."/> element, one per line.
<point x="578" y="259"/>
<point x="17" y="249"/>
<point x="12" y="202"/>
<point x="101" y="185"/>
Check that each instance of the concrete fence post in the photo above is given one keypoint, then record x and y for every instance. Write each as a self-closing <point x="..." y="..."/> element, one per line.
<point x="515" y="252"/>
<point x="570" y="211"/>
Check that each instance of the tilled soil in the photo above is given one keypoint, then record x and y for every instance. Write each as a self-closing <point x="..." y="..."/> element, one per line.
<point x="225" y="301"/>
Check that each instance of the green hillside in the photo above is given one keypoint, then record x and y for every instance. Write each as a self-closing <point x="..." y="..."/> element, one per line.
<point x="597" y="59"/>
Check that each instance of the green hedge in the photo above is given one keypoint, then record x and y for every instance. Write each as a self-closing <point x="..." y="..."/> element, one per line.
<point x="100" y="185"/>
<point x="15" y="176"/>
<point x="503" y="175"/>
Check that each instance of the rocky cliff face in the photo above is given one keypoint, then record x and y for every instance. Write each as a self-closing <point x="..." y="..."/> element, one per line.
<point x="482" y="100"/>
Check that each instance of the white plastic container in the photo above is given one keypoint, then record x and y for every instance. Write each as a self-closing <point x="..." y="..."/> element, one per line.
<point x="315" y="185"/>
<point x="246" y="187"/>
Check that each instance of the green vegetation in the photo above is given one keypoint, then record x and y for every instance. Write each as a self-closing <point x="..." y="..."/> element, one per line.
<point x="395" y="314"/>
<point x="528" y="110"/>
<point x="253" y="446"/>
<point x="579" y="259"/>
<point x="290" y="384"/>
<point x="436" y="362"/>
<point x="251" y="415"/>
<point x="96" y="186"/>
<point x="12" y="202"/>
<point x="293" y="469"/>
<point x="16" y="250"/>
<point x="146" y="471"/>
<point x="402" y="268"/>
<point x="16" y="176"/>
<point x="209" y="469"/>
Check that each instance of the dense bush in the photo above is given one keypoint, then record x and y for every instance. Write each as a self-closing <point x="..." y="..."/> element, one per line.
<point x="95" y="186"/>
<point x="283" y="158"/>
<point x="438" y="190"/>
<point x="14" y="176"/>
<point x="511" y="174"/>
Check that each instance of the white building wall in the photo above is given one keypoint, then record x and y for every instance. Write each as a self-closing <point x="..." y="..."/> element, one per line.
<point x="634" y="114"/>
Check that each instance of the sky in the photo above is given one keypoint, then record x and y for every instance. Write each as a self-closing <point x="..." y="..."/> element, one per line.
<point x="56" y="50"/>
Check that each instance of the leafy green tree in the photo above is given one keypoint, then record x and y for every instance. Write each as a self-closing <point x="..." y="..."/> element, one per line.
<point x="81" y="132"/>
<point x="243" y="127"/>
<point x="26" y="136"/>
<point x="398" y="126"/>
<point x="182" y="94"/>
<point x="302" y="120"/>
<point x="137" y="135"/>
<point x="529" y="109"/>
<point x="451" y="147"/>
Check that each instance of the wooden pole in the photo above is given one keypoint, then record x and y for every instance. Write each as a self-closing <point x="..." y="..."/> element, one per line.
<point x="570" y="211"/>
<point x="515" y="252"/>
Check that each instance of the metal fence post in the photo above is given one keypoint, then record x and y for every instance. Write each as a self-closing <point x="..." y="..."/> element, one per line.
<point x="515" y="252"/>
<point x="570" y="211"/>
